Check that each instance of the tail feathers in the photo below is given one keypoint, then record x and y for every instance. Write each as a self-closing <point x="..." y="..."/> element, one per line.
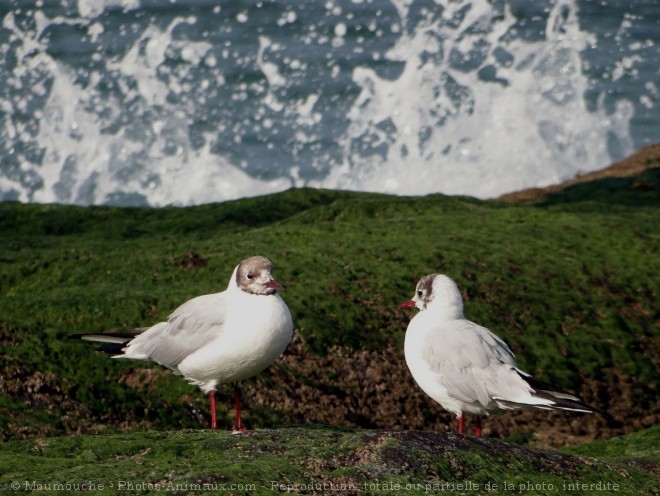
<point x="561" y="400"/>
<point x="113" y="342"/>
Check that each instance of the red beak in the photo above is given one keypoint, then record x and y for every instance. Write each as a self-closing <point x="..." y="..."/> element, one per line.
<point x="274" y="285"/>
<point x="406" y="304"/>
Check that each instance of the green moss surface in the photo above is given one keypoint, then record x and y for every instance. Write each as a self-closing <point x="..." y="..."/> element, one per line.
<point x="318" y="460"/>
<point x="571" y="283"/>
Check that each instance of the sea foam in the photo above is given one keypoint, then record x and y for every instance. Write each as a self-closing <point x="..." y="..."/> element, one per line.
<point x="114" y="103"/>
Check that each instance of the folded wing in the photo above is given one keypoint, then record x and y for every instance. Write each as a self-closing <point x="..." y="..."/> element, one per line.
<point x="190" y="327"/>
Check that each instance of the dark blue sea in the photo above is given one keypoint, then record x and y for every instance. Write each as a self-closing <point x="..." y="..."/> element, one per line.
<point x="159" y="102"/>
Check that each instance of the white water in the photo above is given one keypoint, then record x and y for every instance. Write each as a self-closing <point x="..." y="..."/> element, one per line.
<point x="534" y="132"/>
<point x="434" y="128"/>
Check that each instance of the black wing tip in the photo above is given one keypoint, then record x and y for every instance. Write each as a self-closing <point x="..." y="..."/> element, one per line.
<point x="112" y="348"/>
<point x="128" y="335"/>
<point x="571" y="405"/>
<point x="549" y="392"/>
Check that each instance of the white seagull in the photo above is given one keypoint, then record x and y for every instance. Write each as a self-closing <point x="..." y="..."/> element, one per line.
<point x="465" y="367"/>
<point x="216" y="338"/>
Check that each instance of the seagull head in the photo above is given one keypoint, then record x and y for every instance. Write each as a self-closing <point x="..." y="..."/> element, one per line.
<point x="254" y="275"/>
<point x="436" y="292"/>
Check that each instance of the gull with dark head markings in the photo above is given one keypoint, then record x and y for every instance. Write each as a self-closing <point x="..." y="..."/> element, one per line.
<point x="215" y="338"/>
<point x="465" y="367"/>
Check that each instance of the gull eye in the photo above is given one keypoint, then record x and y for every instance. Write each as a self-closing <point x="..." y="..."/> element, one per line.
<point x="420" y="293"/>
<point x="249" y="275"/>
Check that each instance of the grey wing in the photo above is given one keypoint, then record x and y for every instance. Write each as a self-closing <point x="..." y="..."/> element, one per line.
<point x="469" y="360"/>
<point x="188" y="328"/>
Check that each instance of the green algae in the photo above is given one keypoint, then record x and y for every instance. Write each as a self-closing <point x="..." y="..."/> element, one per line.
<point x="570" y="283"/>
<point x="316" y="460"/>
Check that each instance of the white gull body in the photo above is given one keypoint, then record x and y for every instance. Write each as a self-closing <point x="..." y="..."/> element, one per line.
<point x="464" y="366"/>
<point x="216" y="338"/>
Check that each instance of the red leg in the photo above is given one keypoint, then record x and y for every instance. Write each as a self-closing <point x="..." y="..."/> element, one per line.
<point x="460" y="424"/>
<point x="214" y="422"/>
<point x="477" y="425"/>
<point x="238" y="427"/>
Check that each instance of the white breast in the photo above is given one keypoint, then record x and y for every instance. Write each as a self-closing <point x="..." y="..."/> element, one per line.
<point x="255" y="333"/>
<point x="415" y="344"/>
